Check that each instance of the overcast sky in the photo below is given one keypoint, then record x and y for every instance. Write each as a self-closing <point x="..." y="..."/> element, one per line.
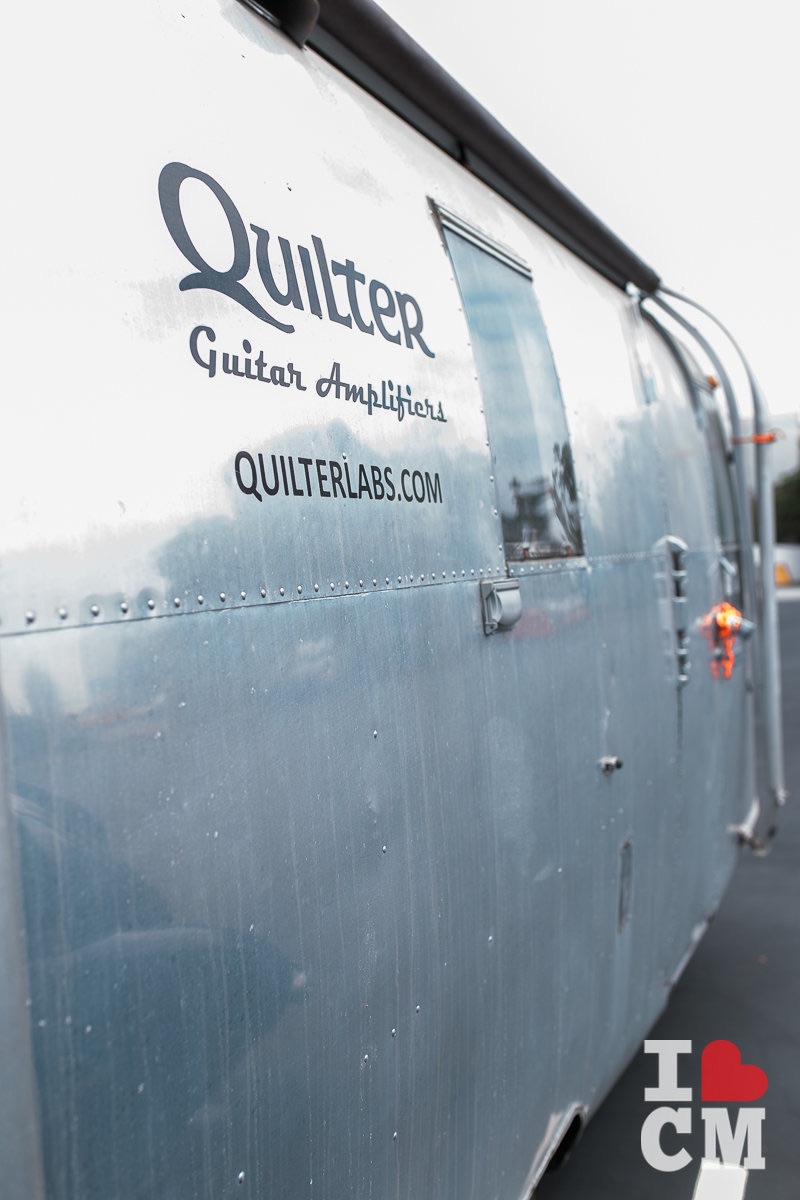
<point x="677" y="123"/>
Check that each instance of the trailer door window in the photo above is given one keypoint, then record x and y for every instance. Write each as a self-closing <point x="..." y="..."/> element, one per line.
<point x="533" y="466"/>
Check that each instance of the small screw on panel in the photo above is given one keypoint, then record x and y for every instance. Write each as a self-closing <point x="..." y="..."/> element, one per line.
<point x="610" y="763"/>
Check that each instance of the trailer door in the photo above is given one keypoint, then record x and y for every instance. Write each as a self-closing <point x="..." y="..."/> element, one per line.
<point x="701" y="569"/>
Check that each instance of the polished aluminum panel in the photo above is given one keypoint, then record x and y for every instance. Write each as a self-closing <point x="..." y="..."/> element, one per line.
<point x="324" y="898"/>
<point x="285" y="920"/>
<point x="172" y="366"/>
<point x="20" y="1149"/>
<point x="622" y="504"/>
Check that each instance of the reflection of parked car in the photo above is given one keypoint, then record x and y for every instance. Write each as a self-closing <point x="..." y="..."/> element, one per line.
<point x="787" y="565"/>
<point x="532" y="551"/>
<point x="203" y="1000"/>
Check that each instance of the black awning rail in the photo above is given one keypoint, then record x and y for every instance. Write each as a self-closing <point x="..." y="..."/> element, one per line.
<point x="366" y="44"/>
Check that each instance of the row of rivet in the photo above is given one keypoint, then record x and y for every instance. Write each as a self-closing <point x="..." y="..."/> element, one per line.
<point x="124" y="607"/>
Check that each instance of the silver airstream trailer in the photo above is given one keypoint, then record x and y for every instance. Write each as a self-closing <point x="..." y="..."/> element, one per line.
<point x="378" y="728"/>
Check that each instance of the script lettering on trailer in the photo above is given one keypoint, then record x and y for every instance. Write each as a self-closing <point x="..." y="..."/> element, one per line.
<point x="331" y="288"/>
<point x="386" y="395"/>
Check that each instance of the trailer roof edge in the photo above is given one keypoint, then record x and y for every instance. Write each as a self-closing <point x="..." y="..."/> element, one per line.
<point x="366" y="44"/>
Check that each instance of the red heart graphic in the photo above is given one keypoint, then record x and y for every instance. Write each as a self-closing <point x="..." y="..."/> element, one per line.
<point x="727" y="1079"/>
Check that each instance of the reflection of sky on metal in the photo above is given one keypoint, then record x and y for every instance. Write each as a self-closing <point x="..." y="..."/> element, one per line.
<point x="675" y="123"/>
<point x="523" y="401"/>
<point x="118" y="435"/>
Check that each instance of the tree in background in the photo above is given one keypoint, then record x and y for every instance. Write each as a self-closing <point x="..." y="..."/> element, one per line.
<point x="787" y="509"/>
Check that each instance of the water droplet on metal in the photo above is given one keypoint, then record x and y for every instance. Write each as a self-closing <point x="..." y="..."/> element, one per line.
<point x="394" y="1033"/>
<point x="263" y="592"/>
<point x="416" y="1009"/>
<point x="95" y="610"/>
<point x="374" y="733"/>
<point x="63" y="614"/>
<point x="151" y="604"/>
<point x="177" y="601"/>
<point x="240" y="1177"/>
<point x="123" y="607"/>
<point x="30" y="617"/>
<point x="299" y="589"/>
<point x="223" y="597"/>
<point x="243" y="595"/>
<point x="316" y="587"/>
<point x="383" y="849"/>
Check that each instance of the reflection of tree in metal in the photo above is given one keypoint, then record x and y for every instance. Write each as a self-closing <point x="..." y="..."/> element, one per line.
<point x="565" y="495"/>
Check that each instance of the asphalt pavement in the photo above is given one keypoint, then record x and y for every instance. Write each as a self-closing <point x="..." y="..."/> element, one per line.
<point x="743" y="986"/>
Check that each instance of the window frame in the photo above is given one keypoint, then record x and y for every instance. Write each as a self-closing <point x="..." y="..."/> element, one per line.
<point x="574" y="552"/>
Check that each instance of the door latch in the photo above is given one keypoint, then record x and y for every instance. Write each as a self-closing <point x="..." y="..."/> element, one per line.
<point x="502" y="604"/>
<point x="678" y="550"/>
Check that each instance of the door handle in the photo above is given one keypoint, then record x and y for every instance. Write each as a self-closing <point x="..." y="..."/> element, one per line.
<point x="678" y="550"/>
<point x="502" y="604"/>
